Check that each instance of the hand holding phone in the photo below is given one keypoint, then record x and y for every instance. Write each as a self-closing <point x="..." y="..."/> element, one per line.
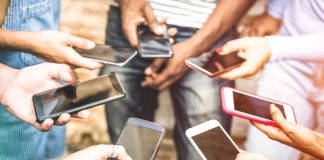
<point x="113" y="55"/>
<point x="77" y="96"/>
<point x="252" y="107"/>
<point x="141" y="138"/>
<point x="153" y="46"/>
<point x="212" y="142"/>
<point x="212" y="64"/>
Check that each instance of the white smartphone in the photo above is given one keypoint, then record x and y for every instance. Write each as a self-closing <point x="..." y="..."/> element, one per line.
<point x="112" y="55"/>
<point x="252" y="107"/>
<point x="212" y="142"/>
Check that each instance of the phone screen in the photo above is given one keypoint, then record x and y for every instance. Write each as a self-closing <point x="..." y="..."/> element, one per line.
<point x="139" y="142"/>
<point x="215" y="63"/>
<point x="152" y="45"/>
<point x="254" y="106"/>
<point x="107" y="53"/>
<point x="76" y="95"/>
<point x="215" y="144"/>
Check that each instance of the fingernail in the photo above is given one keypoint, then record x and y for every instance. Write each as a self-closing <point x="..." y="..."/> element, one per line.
<point x="219" y="50"/>
<point x="159" y="29"/>
<point x="148" y="71"/>
<point x="90" y="44"/>
<point x="273" y="109"/>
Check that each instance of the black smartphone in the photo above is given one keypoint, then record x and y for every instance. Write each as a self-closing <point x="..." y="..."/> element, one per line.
<point x="212" y="64"/>
<point x="77" y="96"/>
<point x="153" y="46"/>
<point x="141" y="139"/>
<point x="113" y="55"/>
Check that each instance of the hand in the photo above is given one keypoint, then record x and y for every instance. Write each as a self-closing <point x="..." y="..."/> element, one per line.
<point x="256" y="50"/>
<point x="174" y="70"/>
<point x="24" y="83"/>
<point x="56" y="46"/>
<point x="261" y="25"/>
<point x="293" y="135"/>
<point x="135" y="13"/>
<point x="251" y="156"/>
<point x="100" y="152"/>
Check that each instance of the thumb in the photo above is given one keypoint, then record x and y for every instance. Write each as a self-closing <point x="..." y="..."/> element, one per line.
<point x="61" y="71"/>
<point x="234" y="46"/>
<point x="155" y="66"/>
<point x="79" y="42"/>
<point x="278" y="117"/>
<point x="154" y="25"/>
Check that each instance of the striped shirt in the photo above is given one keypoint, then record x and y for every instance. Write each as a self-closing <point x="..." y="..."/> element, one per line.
<point x="185" y="13"/>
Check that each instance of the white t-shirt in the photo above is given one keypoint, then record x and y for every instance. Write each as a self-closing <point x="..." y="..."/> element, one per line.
<point x="185" y="13"/>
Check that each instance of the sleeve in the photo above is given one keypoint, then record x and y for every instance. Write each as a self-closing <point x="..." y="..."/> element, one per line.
<point x="309" y="47"/>
<point x="276" y="8"/>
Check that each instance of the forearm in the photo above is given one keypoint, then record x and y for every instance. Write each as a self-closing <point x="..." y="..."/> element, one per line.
<point x="303" y="48"/>
<point x="224" y="17"/>
<point x="6" y="74"/>
<point x="17" y="40"/>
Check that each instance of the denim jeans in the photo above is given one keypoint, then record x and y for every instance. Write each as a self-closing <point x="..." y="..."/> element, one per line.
<point x="195" y="98"/>
<point x="19" y="140"/>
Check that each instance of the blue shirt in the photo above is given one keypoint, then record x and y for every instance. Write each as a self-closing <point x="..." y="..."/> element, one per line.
<point x="19" y="140"/>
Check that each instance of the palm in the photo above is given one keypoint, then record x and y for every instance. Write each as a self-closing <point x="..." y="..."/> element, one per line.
<point x="24" y="85"/>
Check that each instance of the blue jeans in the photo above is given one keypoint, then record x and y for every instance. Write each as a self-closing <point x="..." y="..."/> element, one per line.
<point x="195" y="98"/>
<point x="19" y="140"/>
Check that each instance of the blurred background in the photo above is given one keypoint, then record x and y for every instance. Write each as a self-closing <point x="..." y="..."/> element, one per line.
<point x="88" y="19"/>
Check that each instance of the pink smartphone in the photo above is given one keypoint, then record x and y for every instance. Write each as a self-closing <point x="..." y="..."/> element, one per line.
<point x="252" y="107"/>
<point x="212" y="64"/>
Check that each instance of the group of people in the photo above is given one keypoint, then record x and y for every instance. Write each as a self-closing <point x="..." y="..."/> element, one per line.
<point x="285" y="43"/>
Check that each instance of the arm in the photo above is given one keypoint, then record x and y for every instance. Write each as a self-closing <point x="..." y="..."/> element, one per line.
<point x="53" y="46"/>
<point x="304" y="47"/>
<point x="224" y="17"/>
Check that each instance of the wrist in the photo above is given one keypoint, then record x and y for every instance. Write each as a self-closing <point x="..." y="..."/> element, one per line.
<point x="17" y="40"/>
<point x="320" y="144"/>
<point x="7" y="75"/>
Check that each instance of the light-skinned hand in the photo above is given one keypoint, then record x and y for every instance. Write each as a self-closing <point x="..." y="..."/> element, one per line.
<point x="100" y="152"/>
<point x="256" y="51"/>
<point x="56" y="46"/>
<point x="24" y="83"/>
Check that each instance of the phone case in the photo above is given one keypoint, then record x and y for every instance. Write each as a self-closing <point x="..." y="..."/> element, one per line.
<point x="247" y="116"/>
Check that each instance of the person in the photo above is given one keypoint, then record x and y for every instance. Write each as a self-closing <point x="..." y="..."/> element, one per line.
<point x="193" y="95"/>
<point x="18" y="84"/>
<point x="291" y="134"/>
<point x="100" y="152"/>
<point x="294" y="69"/>
<point x="23" y="25"/>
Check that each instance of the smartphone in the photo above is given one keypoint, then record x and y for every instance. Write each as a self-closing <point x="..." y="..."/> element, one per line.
<point x="113" y="55"/>
<point x="77" y="96"/>
<point x="252" y="107"/>
<point x="153" y="46"/>
<point x="141" y="138"/>
<point x="212" y="64"/>
<point x="212" y="142"/>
